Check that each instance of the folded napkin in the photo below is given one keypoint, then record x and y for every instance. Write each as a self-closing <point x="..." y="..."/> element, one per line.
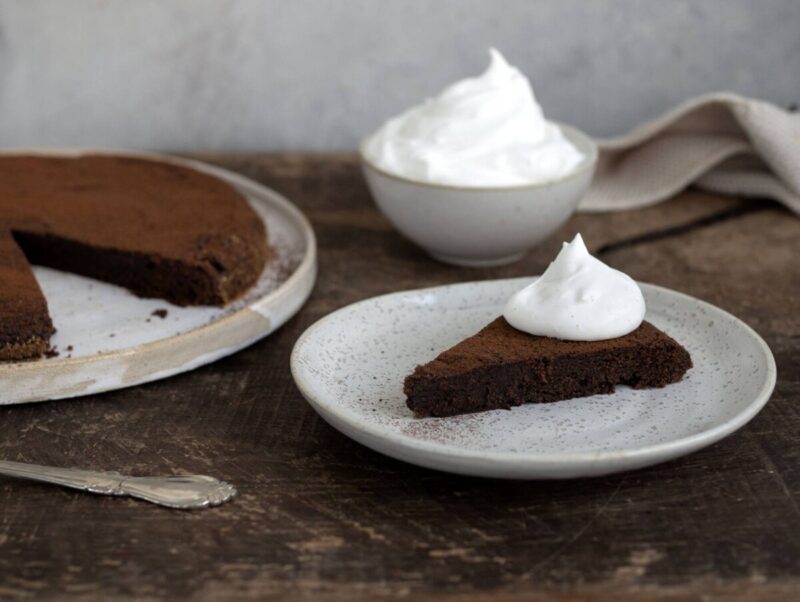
<point x="720" y="142"/>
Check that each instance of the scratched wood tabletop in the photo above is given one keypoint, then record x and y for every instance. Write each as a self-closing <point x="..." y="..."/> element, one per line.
<point x="321" y="517"/>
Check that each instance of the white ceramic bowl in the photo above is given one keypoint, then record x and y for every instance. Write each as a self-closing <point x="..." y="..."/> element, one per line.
<point x="481" y="226"/>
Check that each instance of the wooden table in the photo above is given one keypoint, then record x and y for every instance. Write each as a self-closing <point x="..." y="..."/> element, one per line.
<point x="320" y="516"/>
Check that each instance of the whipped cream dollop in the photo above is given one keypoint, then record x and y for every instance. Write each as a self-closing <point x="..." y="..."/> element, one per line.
<point x="480" y="132"/>
<point x="578" y="298"/>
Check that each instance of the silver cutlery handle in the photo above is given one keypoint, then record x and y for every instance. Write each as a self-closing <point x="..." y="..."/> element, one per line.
<point x="185" y="491"/>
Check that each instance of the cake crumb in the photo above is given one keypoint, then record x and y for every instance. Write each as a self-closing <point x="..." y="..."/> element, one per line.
<point x="69" y="347"/>
<point x="52" y="352"/>
<point x="160" y="313"/>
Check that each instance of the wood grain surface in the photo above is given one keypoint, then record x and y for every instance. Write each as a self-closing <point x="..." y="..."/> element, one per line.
<point x="321" y="517"/>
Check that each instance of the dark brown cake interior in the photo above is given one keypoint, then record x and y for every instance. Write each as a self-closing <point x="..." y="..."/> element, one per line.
<point x="500" y="367"/>
<point x="25" y="326"/>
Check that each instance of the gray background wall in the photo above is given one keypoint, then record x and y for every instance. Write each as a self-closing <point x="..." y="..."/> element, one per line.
<point x="319" y="74"/>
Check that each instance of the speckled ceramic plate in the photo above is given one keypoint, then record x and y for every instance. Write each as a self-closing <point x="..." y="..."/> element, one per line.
<point x="108" y="339"/>
<point x="351" y="364"/>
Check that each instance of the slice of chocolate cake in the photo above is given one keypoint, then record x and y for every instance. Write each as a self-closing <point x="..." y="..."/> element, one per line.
<point x="25" y="326"/>
<point x="157" y="229"/>
<point x="500" y="367"/>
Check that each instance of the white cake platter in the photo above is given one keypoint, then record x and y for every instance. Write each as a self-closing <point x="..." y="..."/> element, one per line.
<point x="107" y="338"/>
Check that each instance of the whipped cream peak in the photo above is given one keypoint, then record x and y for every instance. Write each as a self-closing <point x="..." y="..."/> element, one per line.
<point x="578" y="298"/>
<point x="481" y="131"/>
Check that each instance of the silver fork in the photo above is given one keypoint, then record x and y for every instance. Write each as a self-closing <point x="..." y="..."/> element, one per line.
<point x="185" y="491"/>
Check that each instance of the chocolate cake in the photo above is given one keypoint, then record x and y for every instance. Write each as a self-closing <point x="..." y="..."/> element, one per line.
<point x="500" y="367"/>
<point x="157" y="229"/>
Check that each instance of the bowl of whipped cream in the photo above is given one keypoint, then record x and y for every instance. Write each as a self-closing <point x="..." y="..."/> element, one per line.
<point x="477" y="175"/>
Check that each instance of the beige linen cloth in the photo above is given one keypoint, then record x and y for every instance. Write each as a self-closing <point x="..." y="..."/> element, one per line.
<point x="721" y="142"/>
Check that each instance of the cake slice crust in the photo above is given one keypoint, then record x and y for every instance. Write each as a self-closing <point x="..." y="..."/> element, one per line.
<point x="500" y="367"/>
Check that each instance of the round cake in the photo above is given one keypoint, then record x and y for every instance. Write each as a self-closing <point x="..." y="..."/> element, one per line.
<point x="157" y="229"/>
